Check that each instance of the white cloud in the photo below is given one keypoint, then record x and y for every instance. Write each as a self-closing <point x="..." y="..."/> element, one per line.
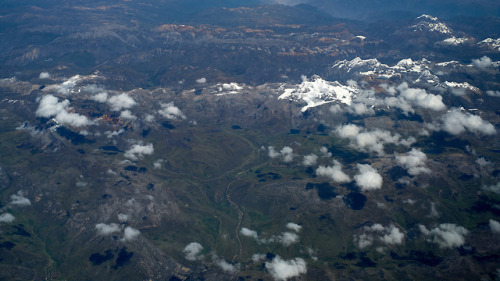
<point x="482" y="63"/>
<point x="202" y="80"/>
<point x="389" y="235"/>
<point x="456" y="122"/>
<point x="258" y="257"/>
<point x="6" y="218"/>
<point x="371" y="141"/>
<point x="368" y="178"/>
<point x="127" y="114"/>
<point x="93" y="89"/>
<point x="446" y="235"/>
<point x="414" y="162"/>
<point x="492" y="188"/>
<point x="293" y="226"/>
<point x="421" y="98"/>
<point x="310" y="160"/>
<point x="249" y="233"/>
<point x="335" y="172"/>
<point x="325" y="152"/>
<point x="122" y="101"/>
<point x="284" y="269"/>
<point x="286" y="153"/>
<point x="360" y="109"/>
<point x="192" y="251"/>
<point x="138" y="151"/>
<point x="225" y="266"/>
<point x="100" y="97"/>
<point x="19" y="199"/>
<point x="495" y="226"/>
<point x="66" y="87"/>
<point x="107" y="229"/>
<point x="170" y="111"/>
<point x="44" y="75"/>
<point x="51" y="107"/>
<point x="130" y="233"/>
<point x="123" y="217"/>
<point x="483" y="162"/>
<point x="493" y="93"/>
<point x="285" y="238"/>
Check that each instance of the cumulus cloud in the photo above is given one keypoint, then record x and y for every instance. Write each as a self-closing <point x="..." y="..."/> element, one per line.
<point x="249" y="233"/>
<point x="388" y="235"/>
<point x="50" y="106"/>
<point x="285" y="238"/>
<point x="421" y="98"/>
<point x="293" y="226"/>
<point x="127" y="115"/>
<point x="100" y="97"/>
<point x="310" y="160"/>
<point x="335" y="172"/>
<point x="482" y="63"/>
<point x="258" y="257"/>
<point x="446" y="235"/>
<point x="192" y="251"/>
<point x="202" y="80"/>
<point x="224" y="265"/>
<point x="130" y="233"/>
<point x="492" y="188"/>
<point x="285" y="269"/>
<point x="368" y="178"/>
<point x="371" y="141"/>
<point x="6" y="218"/>
<point x="170" y="111"/>
<point x="123" y="217"/>
<point x="19" y="199"/>
<point x="493" y="93"/>
<point x="495" y="226"/>
<point x="286" y="153"/>
<point x="456" y="122"/>
<point x="325" y="152"/>
<point x="44" y="75"/>
<point x="360" y="109"/>
<point x="138" y="151"/>
<point x="414" y="162"/>
<point x="66" y="87"/>
<point x="92" y="89"/>
<point x="119" y="102"/>
<point x="107" y="229"/>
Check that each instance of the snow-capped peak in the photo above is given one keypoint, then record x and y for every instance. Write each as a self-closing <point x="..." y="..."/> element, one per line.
<point x="424" y="16"/>
<point x="490" y="43"/>
<point x="431" y="24"/>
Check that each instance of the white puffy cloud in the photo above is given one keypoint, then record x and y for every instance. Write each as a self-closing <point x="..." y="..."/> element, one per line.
<point x="293" y="226"/>
<point x="285" y="269"/>
<point x="483" y="62"/>
<point x="249" y="233"/>
<point x="138" y="151"/>
<point x="127" y="114"/>
<point x="44" y="75"/>
<point x="19" y="199"/>
<point x="170" y="111"/>
<point x="192" y="251"/>
<point x="100" y="97"/>
<point x="93" y="89"/>
<point x="123" y="217"/>
<point x="107" y="229"/>
<point x="310" y="160"/>
<point x="51" y="107"/>
<point x="421" y="98"/>
<point x="492" y="188"/>
<point x="325" y="152"/>
<point x="6" y="218"/>
<point x="224" y="265"/>
<point x="121" y="101"/>
<point x="414" y="162"/>
<point x="285" y="238"/>
<point x="371" y="141"/>
<point x="360" y="109"/>
<point x="335" y="172"/>
<point x="66" y="87"/>
<point x="368" y="178"/>
<point x="456" y="122"/>
<point x="493" y="93"/>
<point x="130" y="234"/>
<point x="388" y="235"/>
<point x="286" y="153"/>
<point x="483" y="162"/>
<point x="258" y="257"/>
<point x="446" y="235"/>
<point x="202" y="80"/>
<point x="495" y="226"/>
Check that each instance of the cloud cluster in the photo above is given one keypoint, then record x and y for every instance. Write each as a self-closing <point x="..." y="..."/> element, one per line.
<point x="192" y="251"/>
<point x="492" y="188"/>
<point x="389" y="235"/>
<point x="100" y="97"/>
<point x="170" y="111"/>
<point x="493" y="93"/>
<point x="6" y="218"/>
<point x="495" y="226"/>
<point x="50" y="106"/>
<point x="286" y="153"/>
<point x="371" y="141"/>
<point x="19" y="199"/>
<point x="138" y="151"/>
<point x="310" y="160"/>
<point x="358" y="109"/>
<point x="224" y="265"/>
<point x="456" y="122"/>
<point x="368" y="178"/>
<point x="107" y="229"/>
<point x="122" y="101"/>
<point x="482" y="63"/>
<point x="127" y="115"/>
<point x="282" y="270"/>
<point x="414" y="162"/>
<point x="286" y="238"/>
<point x="334" y="172"/>
<point x="65" y="88"/>
<point x="446" y="235"/>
